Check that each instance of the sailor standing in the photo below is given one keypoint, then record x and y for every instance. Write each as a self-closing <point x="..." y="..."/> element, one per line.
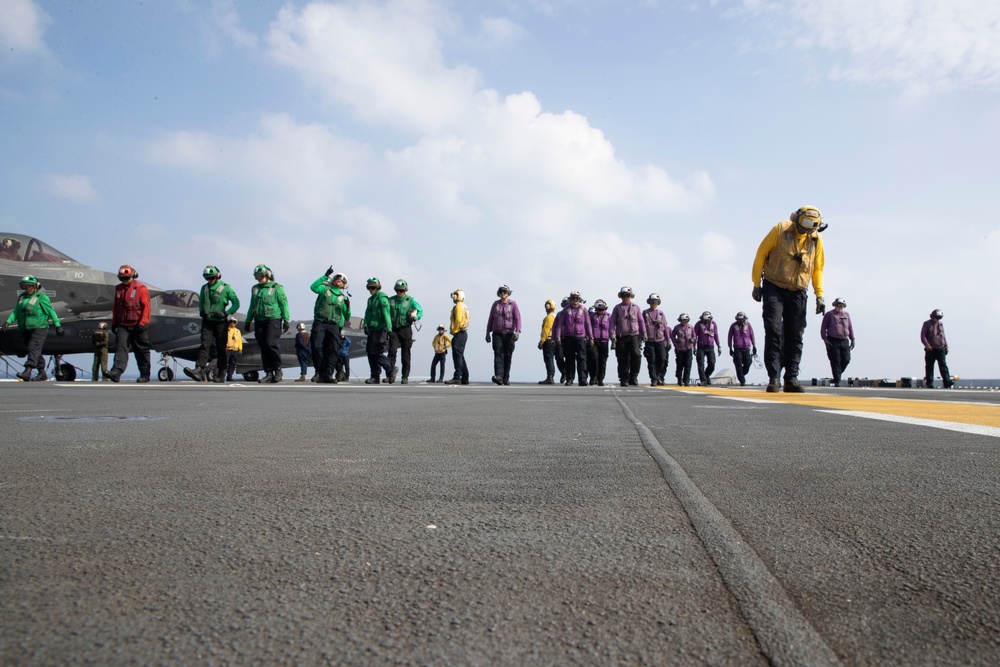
<point x="130" y="316"/>
<point x="269" y="309"/>
<point x="216" y="302"/>
<point x="33" y="312"/>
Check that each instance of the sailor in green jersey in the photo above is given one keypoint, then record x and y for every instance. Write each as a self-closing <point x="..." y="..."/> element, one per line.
<point x="377" y="324"/>
<point x="269" y="309"/>
<point x="403" y="312"/>
<point x="32" y="313"/>
<point x="332" y="309"/>
<point x="216" y="302"/>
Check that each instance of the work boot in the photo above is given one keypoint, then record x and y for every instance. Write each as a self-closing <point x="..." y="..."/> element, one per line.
<point x="792" y="386"/>
<point x="41" y="377"/>
<point x="115" y="375"/>
<point x="431" y="380"/>
<point x="315" y="378"/>
<point x="497" y="379"/>
<point x="773" y="386"/>
<point x="194" y="373"/>
<point x="549" y="379"/>
<point x="267" y="378"/>
<point x="218" y="379"/>
<point x="229" y="378"/>
<point x="142" y="379"/>
<point x="329" y="380"/>
<point x="405" y="381"/>
<point x="24" y="375"/>
<point x="453" y="381"/>
<point x="278" y="376"/>
<point x="372" y="381"/>
<point x="302" y="378"/>
<point x="391" y="378"/>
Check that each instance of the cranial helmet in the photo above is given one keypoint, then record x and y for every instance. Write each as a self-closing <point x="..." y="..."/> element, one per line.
<point x="102" y="325"/>
<point x="683" y="317"/>
<point x="232" y="319"/>
<point x="937" y="313"/>
<point x="550" y="305"/>
<point x="211" y="272"/>
<point x="706" y="316"/>
<point x="741" y="316"/>
<point x="564" y="302"/>
<point x="653" y="297"/>
<point x="503" y="289"/>
<point x="575" y="296"/>
<point x="808" y="218"/>
<point x="300" y="326"/>
<point x="600" y="305"/>
<point x="125" y="272"/>
<point x="28" y="281"/>
<point x="262" y="270"/>
<point x="440" y="327"/>
<point x="373" y="282"/>
<point x="339" y="276"/>
<point x="839" y="302"/>
<point x="458" y="295"/>
<point x="401" y="285"/>
<point x="625" y="291"/>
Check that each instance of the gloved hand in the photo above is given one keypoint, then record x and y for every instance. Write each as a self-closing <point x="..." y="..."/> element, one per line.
<point x="541" y="345"/>
<point x="489" y="339"/>
<point x="820" y="305"/>
<point x="718" y="352"/>
<point x="284" y="326"/>
<point x="329" y="272"/>
<point x="731" y="352"/>
<point x="248" y="327"/>
<point x="754" y="351"/>
<point x="516" y="336"/>
<point x="367" y="330"/>
<point x="757" y="294"/>
<point x="60" y="331"/>
<point x="5" y="326"/>
<point x="645" y="338"/>
<point x="852" y="344"/>
<point x="614" y="343"/>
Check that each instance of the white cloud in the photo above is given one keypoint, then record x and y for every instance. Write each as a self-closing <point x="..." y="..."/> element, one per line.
<point x="70" y="186"/>
<point x="22" y="28"/>
<point x="917" y="44"/>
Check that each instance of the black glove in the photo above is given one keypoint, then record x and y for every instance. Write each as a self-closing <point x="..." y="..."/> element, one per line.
<point x="329" y="271"/>
<point x="60" y="331"/>
<point x="614" y="343"/>
<point x="852" y="344"/>
<point x="516" y="336"/>
<point x="757" y="294"/>
<point x="367" y="330"/>
<point x="820" y="305"/>
<point x="284" y="326"/>
<point x="248" y="327"/>
<point x="5" y="325"/>
<point x="755" y="351"/>
<point x="541" y="345"/>
<point x="732" y="352"/>
<point x="488" y="339"/>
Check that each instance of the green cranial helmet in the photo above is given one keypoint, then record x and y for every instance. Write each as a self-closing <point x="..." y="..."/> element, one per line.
<point x="28" y="281"/>
<point x="211" y="272"/>
<point x="373" y="282"/>
<point x="262" y="270"/>
<point x="401" y="286"/>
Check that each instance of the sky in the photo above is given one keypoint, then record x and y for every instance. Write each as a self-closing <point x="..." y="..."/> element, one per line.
<point x="550" y="145"/>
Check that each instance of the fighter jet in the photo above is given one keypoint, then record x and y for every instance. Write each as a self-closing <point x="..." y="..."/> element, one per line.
<point x="82" y="297"/>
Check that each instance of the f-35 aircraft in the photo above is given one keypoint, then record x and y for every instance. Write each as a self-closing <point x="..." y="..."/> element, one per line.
<point x="82" y="297"/>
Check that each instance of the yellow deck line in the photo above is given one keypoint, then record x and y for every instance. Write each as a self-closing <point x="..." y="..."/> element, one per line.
<point x="960" y="413"/>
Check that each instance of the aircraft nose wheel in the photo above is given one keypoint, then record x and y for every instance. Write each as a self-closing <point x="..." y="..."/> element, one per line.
<point x="252" y="376"/>
<point x="165" y="375"/>
<point x="67" y="373"/>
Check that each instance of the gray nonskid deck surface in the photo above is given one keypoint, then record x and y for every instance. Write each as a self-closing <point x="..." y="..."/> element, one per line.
<point x="417" y="525"/>
<point x="487" y="525"/>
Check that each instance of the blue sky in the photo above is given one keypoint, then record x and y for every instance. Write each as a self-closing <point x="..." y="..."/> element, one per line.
<point x="550" y="145"/>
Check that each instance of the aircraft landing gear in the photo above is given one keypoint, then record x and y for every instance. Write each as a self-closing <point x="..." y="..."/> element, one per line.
<point x="251" y="376"/>
<point x="165" y="374"/>
<point x="63" y="372"/>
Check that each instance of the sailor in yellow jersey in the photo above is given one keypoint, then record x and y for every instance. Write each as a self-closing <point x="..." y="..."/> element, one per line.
<point x="788" y="259"/>
<point x="460" y="336"/>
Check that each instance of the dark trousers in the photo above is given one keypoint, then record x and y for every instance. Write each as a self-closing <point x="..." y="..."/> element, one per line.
<point x="742" y="361"/>
<point x="343" y="367"/>
<point x="100" y="362"/>
<point x="401" y="340"/>
<point x="439" y="358"/>
<point x="656" y="360"/>
<point x="706" y="363"/>
<point x="326" y="342"/>
<point x="684" y="359"/>
<point x="597" y="360"/>
<point x="838" y="351"/>
<point x="784" y="326"/>
<point x="34" y="340"/>
<point x="503" y="354"/>
<point x="232" y="356"/>
<point x="560" y="358"/>
<point x="377" y="347"/>
<point x="268" y="333"/>
<point x="549" y="357"/>
<point x="936" y="355"/>
<point x="213" y="332"/>
<point x="458" y="342"/>
<point x="629" y="353"/>
<point x="136" y="340"/>
<point x="575" y="350"/>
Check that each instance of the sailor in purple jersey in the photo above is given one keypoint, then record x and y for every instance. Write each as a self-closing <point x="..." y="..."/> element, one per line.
<point x="628" y="332"/>
<point x="504" y="328"/>
<point x="742" y="346"/>
<point x="597" y="354"/>
<point x="707" y="332"/>
<point x="935" y="349"/>
<point x="685" y="342"/>
<point x="573" y="329"/>
<point x="837" y="332"/>
<point x="657" y="340"/>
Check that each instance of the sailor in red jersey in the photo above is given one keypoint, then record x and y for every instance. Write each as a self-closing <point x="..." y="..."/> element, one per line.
<point x="130" y="324"/>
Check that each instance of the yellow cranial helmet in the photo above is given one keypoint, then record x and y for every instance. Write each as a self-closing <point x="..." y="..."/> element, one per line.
<point x="808" y="218"/>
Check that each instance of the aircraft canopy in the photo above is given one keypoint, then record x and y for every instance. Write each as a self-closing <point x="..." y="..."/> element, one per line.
<point x="21" y="248"/>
